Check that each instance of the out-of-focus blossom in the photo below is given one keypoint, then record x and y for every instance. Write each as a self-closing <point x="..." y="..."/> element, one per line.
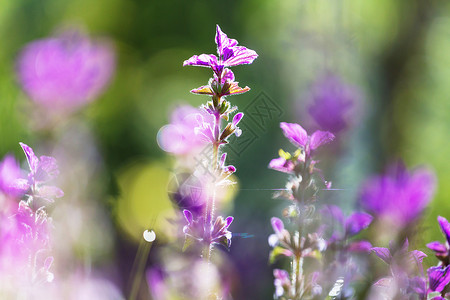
<point x="65" y="72"/>
<point x="25" y="248"/>
<point x="442" y="251"/>
<point x="331" y="103"/>
<point x="217" y="233"/>
<point x="42" y="171"/>
<point x="285" y="244"/>
<point x="230" y="54"/>
<point x="347" y="228"/>
<point x="281" y="282"/>
<point x="399" y="196"/>
<point x="404" y="266"/>
<point x="9" y="173"/>
<point x="181" y="137"/>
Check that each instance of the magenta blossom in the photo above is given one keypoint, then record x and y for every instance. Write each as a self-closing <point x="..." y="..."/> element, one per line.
<point x="331" y="103"/>
<point x="42" y="171"/>
<point x="66" y="72"/>
<point x="229" y="55"/>
<point x="442" y="251"/>
<point x="300" y="138"/>
<point x="346" y="228"/>
<point x="208" y="232"/>
<point x="180" y="136"/>
<point x="400" y="196"/>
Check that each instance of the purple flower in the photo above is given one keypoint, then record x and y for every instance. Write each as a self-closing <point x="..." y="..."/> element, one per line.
<point x="9" y="173"/>
<point x="438" y="278"/>
<point x="399" y="196"/>
<point x="66" y="72"/>
<point x="281" y="282"/>
<point x="24" y="237"/>
<point x="42" y="171"/>
<point x="217" y="233"/>
<point x="403" y="265"/>
<point x="331" y="103"/>
<point x="347" y="228"/>
<point x="442" y="251"/>
<point x="181" y="136"/>
<point x="229" y="55"/>
<point x="300" y="138"/>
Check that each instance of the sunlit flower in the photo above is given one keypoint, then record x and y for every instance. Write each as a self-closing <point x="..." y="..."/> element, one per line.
<point x="229" y="55"/>
<point x="42" y="171"/>
<point x="181" y="136"/>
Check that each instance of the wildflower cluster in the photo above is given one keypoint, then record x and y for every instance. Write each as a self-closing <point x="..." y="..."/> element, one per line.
<point x="25" y="250"/>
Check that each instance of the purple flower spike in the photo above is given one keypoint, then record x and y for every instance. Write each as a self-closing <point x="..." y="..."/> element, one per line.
<point x="230" y="55"/>
<point x="399" y="196"/>
<point x="66" y="72"/>
<point x="438" y="278"/>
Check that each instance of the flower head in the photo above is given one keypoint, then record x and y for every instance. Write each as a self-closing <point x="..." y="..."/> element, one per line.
<point x="42" y="170"/>
<point x="399" y="196"/>
<point x="208" y="233"/>
<point x="300" y="138"/>
<point x="181" y="136"/>
<point x="331" y="103"/>
<point x="229" y="55"/>
<point x="66" y="72"/>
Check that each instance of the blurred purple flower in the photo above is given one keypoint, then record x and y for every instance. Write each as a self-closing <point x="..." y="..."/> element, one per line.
<point x="281" y="282"/>
<point x="403" y="264"/>
<point x="442" y="251"/>
<point x="66" y="72"/>
<point x="347" y="228"/>
<point x="217" y="233"/>
<point x="42" y="171"/>
<point x="183" y="135"/>
<point x="25" y="244"/>
<point x="230" y="54"/>
<point x="331" y="103"/>
<point x="399" y="195"/>
<point x="9" y="173"/>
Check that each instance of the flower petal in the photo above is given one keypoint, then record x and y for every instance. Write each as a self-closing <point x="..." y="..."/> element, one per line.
<point x="202" y="60"/>
<point x="320" y="138"/>
<point x="295" y="133"/>
<point x="382" y="253"/>
<point x="32" y="159"/>
<point x="438" y="278"/>
<point x="357" y="222"/>
<point x="445" y="227"/>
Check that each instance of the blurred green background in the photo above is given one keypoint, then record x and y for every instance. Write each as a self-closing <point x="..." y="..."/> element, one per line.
<point x="395" y="52"/>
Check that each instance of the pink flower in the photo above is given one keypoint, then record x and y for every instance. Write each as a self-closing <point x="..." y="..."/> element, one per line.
<point x="66" y="72"/>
